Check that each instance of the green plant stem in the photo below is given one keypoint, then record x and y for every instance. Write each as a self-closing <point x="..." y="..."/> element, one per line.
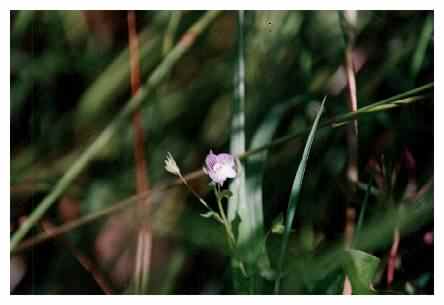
<point x="226" y="223"/>
<point x="230" y="236"/>
<point x="134" y="103"/>
<point x="332" y="123"/>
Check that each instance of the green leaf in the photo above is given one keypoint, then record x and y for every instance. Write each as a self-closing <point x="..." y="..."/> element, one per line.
<point x="208" y="214"/>
<point x="361" y="269"/>
<point x="278" y="225"/>
<point x="294" y="196"/>
<point x="226" y="194"/>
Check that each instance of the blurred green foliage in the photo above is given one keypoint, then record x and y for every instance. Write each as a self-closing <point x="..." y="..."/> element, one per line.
<point x="70" y="76"/>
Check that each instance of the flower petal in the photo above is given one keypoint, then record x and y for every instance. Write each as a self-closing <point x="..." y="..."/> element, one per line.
<point x="210" y="160"/>
<point x="228" y="172"/>
<point x="217" y="177"/>
<point x="226" y="159"/>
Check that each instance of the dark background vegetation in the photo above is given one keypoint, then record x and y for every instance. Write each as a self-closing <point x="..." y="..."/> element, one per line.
<point x="63" y="93"/>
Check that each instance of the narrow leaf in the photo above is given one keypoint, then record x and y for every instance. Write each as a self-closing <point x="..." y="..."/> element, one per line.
<point x="256" y="163"/>
<point x="238" y="202"/>
<point x="294" y="196"/>
<point x="255" y="167"/>
<point x="363" y="210"/>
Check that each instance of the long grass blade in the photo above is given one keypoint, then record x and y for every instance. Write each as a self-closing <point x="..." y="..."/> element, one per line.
<point x="294" y="196"/>
<point x="237" y="140"/>
<point x="238" y="202"/>
<point x="255" y="167"/>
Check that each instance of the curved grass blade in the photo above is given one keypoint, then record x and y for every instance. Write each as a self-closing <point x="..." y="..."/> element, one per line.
<point x="255" y="167"/>
<point x="294" y="196"/>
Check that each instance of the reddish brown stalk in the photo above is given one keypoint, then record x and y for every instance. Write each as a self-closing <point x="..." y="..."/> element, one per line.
<point x="393" y="255"/>
<point x="85" y="261"/>
<point x="351" y="84"/>
<point x="141" y="178"/>
<point x="352" y="129"/>
<point x="143" y="252"/>
<point x="352" y="138"/>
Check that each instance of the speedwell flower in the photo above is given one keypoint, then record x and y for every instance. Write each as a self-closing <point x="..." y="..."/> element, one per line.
<point x="220" y="167"/>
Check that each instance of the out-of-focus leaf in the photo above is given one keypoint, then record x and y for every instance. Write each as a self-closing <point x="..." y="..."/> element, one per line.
<point x="361" y="269"/>
<point x="278" y="225"/>
<point x="18" y="270"/>
<point x="418" y="57"/>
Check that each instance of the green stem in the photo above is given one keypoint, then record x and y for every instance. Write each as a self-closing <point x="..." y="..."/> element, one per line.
<point x="230" y="236"/>
<point x="225" y="222"/>
<point x="134" y="103"/>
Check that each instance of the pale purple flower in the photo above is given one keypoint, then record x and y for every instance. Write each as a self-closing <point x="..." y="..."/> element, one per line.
<point x="220" y="167"/>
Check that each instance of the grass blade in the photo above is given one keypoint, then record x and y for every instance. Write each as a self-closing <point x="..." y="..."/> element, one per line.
<point x="255" y="167"/>
<point x="238" y="202"/>
<point x="294" y="196"/>
<point x="363" y="210"/>
<point x="237" y="141"/>
<point x="418" y="58"/>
